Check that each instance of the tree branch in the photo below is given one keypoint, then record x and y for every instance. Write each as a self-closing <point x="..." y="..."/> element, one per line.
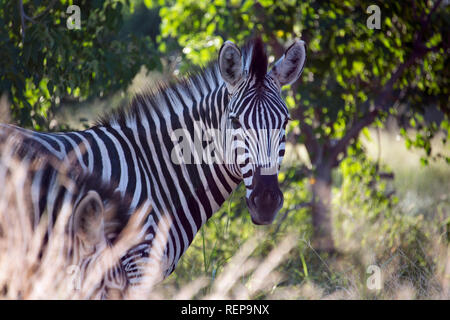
<point x="419" y="51"/>
<point x="45" y="11"/>
<point x="24" y="16"/>
<point x="352" y="133"/>
<point x="379" y="105"/>
<point x="22" y="19"/>
<point x="433" y="9"/>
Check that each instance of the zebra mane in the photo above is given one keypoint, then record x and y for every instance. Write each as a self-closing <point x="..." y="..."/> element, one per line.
<point x="150" y="98"/>
<point x="258" y="63"/>
<point x="199" y="79"/>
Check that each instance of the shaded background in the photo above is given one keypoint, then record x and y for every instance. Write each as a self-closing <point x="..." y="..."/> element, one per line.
<point x="366" y="176"/>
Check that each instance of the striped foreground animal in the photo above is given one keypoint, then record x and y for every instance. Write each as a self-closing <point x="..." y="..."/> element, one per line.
<point x="39" y="191"/>
<point x="183" y="148"/>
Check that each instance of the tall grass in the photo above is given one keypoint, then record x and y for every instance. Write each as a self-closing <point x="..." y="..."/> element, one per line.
<point x="37" y="259"/>
<point x="407" y="239"/>
<point x="34" y="263"/>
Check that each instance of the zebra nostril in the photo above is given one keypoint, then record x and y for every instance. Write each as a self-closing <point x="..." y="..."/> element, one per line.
<point x="269" y="196"/>
<point x="253" y="199"/>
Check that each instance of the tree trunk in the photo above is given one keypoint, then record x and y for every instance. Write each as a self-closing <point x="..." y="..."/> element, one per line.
<point x="321" y="210"/>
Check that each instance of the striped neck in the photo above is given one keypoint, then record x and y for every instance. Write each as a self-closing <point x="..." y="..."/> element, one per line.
<point x="186" y="193"/>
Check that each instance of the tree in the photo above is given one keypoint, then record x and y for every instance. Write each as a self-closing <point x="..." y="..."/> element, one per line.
<point x="355" y="76"/>
<point x="44" y="62"/>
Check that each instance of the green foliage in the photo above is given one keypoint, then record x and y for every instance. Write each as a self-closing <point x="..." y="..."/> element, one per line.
<point x="348" y="65"/>
<point x="376" y="197"/>
<point x="354" y="77"/>
<point x="222" y="236"/>
<point x="42" y="62"/>
<point x="371" y="225"/>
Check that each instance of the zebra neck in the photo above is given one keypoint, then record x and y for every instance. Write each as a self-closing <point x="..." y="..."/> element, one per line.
<point x="188" y="115"/>
<point x="133" y="151"/>
<point x="185" y="192"/>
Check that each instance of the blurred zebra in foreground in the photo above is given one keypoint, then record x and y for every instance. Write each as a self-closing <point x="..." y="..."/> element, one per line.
<point x="183" y="148"/>
<point x="62" y="233"/>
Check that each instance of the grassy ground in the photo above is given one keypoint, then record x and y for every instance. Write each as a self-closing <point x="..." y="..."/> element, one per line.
<point x="405" y="239"/>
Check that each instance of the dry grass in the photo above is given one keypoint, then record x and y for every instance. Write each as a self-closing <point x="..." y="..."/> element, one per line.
<point x="410" y="247"/>
<point x="34" y="256"/>
<point x="34" y="267"/>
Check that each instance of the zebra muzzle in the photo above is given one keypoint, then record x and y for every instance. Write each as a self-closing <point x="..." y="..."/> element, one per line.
<point x="265" y="200"/>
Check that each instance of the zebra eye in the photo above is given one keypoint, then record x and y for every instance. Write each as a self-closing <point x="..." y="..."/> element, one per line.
<point x="235" y="123"/>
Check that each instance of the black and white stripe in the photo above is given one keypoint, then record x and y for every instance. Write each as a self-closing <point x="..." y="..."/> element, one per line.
<point x="133" y="149"/>
<point x="92" y="215"/>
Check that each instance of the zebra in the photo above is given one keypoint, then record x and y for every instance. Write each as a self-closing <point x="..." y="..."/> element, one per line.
<point x="140" y="151"/>
<point x="37" y="185"/>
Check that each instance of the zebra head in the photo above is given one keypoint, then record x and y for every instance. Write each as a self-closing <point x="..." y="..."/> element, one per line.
<point x="256" y="118"/>
<point x="90" y="243"/>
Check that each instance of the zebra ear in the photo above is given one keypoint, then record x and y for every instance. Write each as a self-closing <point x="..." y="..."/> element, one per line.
<point x="88" y="218"/>
<point x="290" y="66"/>
<point x="230" y="64"/>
